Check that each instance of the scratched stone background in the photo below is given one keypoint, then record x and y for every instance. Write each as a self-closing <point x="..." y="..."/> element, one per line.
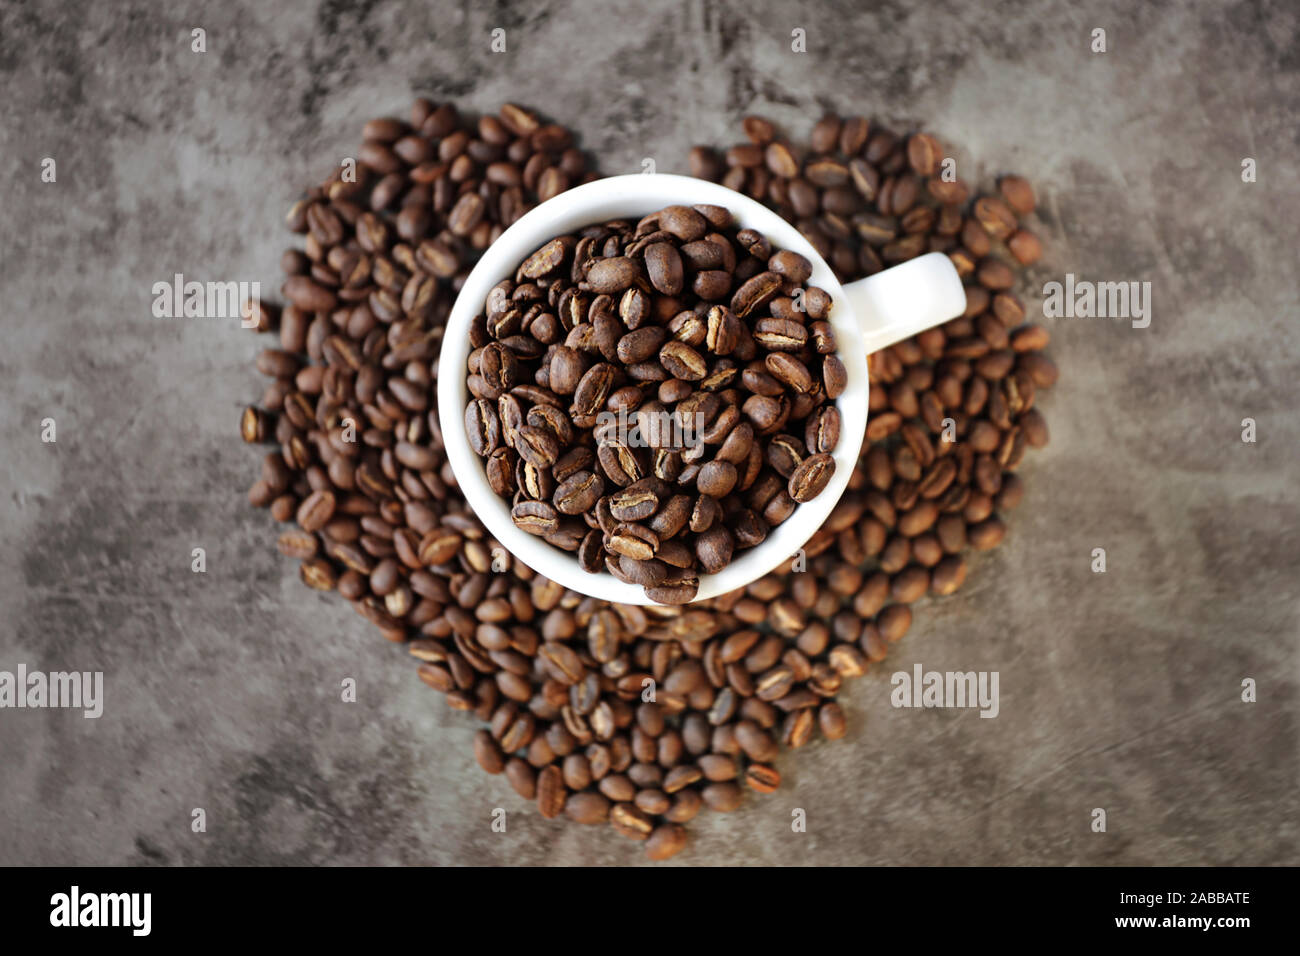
<point x="1118" y="690"/>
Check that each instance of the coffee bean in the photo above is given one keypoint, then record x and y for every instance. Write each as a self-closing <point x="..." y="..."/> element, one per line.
<point x="1024" y="245"/>
<point x="724" y="331"/>
<point x="834" y="376"/>
<point x="630" y="822"/>
<point x="811" y="477"/>
<point x="1018" y="194"/>
<point x="763" y="778"/>
<point x="535" y="517"/>
<point x="853" y="135"/>
<point x="593" y="388"/>
<point x="663" y="265"/>
<point x="637" y="346"/>
<point x="634" y="541"/>
<point x="910" y="584"/>
<point x="681" y="777"/>
<point x="488" y="753"/>
<point x="566" y="370"/>
<point x="716" y="479"/>
<point x="578" y="493"/>
<point x="722" y="797"/>
<point x="683" y="222"/>
<point x="682" y="361"/>
<point x="986" y="534"/>
<point x="948" y="575"/>
<point x="667" y="840"/>
<point x="587" y="808"/>
<point x="714" y="548"/>
<point x="894" y="621"/>
<point x="674" y="590"/>
<point x="774" y="684"/>
<point x="482" y="426"/>
<point x="545" y="260"/>
<point x="538" y="446"/>
<point x="298" y="544"/>
<point x="316" y="510"/>
<point x="780" y="335"/>
<point x="822" y="433"/>
<point x="653" y="800"/>
<point x="318" y="574"/>
<point x="789" y="371"/>
<point x="634" y="503"/>
<point x="307" y="295"/>
<point x="561" y="662"/>
<point x="830" y="717"/>
<point x="997" y="218"/>
<point x="755" y="292"/>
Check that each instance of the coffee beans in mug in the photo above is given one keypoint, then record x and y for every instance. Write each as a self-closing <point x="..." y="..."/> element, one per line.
<point x="673" y="355"/>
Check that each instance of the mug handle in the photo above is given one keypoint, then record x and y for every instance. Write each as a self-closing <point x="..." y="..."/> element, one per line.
<point x="908" y="298"/>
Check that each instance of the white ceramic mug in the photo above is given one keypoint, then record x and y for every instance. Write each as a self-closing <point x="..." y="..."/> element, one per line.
<point x="867" y="315"/>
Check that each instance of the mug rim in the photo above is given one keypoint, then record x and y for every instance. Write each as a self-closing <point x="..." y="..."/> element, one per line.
<point x="603" y="200"/>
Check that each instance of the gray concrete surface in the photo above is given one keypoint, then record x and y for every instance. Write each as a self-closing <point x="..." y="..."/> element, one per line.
<point x="1118" y="690"/>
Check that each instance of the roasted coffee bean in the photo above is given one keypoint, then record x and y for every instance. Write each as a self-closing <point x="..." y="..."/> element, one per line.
<point x="830" y="717"/>
<point x="566" y="370"/>
<point x="986" y="534"/>
<point x="587" y="808"/>
<point x="298" y="544"/>
<point x="674" y="590"/>
<point x="578" y="493"/>
<point x="666" y="840"/>
<point x="723" y="330"/>
<point x="774" y="684"/>
<point x="714" y="548"/>
<point x="834" y="376"/>
<point x="482" y="426"/>
<point x="716" y="479"/>
<point x="634" y="503"/>
<point x="1025" y="246"/>
<point x="789" y="371"/>
<point x="763" y="778"/>
<point x="948" y="575"/>
<point x="488" y="753"/>
<point x="631" y="822"/>
<point x="722" y="797"/>
<point x="811" y="477"/>
<point x="522" y="777"/>
<point x="535" y="517"/>
<point x="682" y="361"/>
<point x="822" y="433"/>
<point x="537" y="446"/>
<point x="1018" y="194"/>
<point x="593" y="389"/>
<point x="319" y="574"/>
<point x="664" y="267"/>
<point x="637" y="346"/>
<point x="316" y="510"/>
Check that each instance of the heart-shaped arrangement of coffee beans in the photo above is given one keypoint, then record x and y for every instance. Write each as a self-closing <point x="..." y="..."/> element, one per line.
<point x="638" y="717"/>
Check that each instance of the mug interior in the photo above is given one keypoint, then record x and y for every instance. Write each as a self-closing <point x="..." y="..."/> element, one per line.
<point x="632" y="197"/>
